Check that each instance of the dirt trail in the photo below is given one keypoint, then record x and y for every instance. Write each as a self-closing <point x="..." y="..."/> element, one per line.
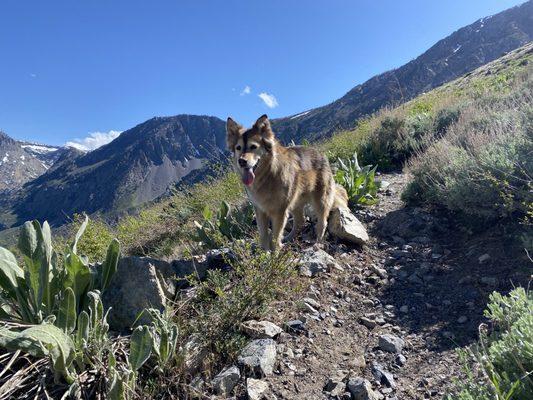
<point x="418" y="279"/>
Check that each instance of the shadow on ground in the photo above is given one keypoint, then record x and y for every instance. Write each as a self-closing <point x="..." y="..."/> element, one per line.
<point x="440" y="276"/>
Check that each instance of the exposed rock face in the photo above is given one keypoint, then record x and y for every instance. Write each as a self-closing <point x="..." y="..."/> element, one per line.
<point x="344" y="225"/>
<point x="256" y="388"/>
<point x="136" y="167"/>
<point x="464" y="50"/>
<point x="17" y="166"/>
<point x="361" y="389"/>
<point x="143" y="282"/>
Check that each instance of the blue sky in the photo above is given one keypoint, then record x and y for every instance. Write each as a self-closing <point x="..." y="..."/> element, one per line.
<point x="70" y="68"/>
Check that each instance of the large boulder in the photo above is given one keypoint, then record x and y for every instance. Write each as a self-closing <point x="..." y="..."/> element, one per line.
<point x="345" y="226"/>
<point x="144" y="282"/>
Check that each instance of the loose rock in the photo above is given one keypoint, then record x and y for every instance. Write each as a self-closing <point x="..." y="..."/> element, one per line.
<point x="256" y="388"/>
<point x="258" y="357"/>
<point x="344" y="225"/>
<point x="226" y="380"/>
<point x="382" y="375"/>
<point x="261" y="329"/>
<point x="312" y="262"/>
<point x="391" y="343"/>
<point x="361" y="389"/>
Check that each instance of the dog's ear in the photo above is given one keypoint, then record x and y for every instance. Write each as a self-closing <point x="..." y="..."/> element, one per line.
<point x="265" y="129"/>
<point x="233" y="133"/>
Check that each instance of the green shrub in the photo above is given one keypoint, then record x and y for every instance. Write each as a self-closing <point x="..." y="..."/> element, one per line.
<point x="227" y="298"/>
<point x="360" y="183"/>
<point x="226" y="225"/>
<point x="482" y="168"/>
<point x="501" y="365"/>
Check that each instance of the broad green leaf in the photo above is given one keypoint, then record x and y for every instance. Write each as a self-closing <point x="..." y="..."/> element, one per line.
<point x="140" y="347"/>
<point x="79" y="234"/>
<point x="27" y="241"/>
<point x="78" y="275"/>
<point x="44" y="340"/>
<point x="10" y="272"/>
<point x="83" y="328"/>
<point x="110" y="264"/>
<point x="66" y="317"/>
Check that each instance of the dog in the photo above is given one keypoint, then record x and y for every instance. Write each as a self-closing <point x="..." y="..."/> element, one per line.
<point x="280" y="180"/>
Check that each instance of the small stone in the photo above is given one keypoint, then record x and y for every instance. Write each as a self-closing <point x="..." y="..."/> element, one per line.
<point x="313" y="262"/>
<point x="312" y="302"/>
<point x="462" y="319"/>
<point x="391" y="343"/>
<point x="489" y="281"/>
<point x="484" y="258"/>
<point x="370" y="324"/>
<point x="401" y="360"/>
<point x="258" y="357"/>
<point x="295" y="326"/>
<point x="382" y="375"/>
<point x="256" y="388"/>
<point x="404" y="309"/>
<point x="382" y="273"/>
<point x="414" y="278"/>
<point x="361" y="389"/>
<point x="226" y="380"/>
<point x="261" y="329"/>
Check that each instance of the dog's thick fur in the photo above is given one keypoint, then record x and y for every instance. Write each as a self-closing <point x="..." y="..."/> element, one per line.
<point x="282" y="180"/>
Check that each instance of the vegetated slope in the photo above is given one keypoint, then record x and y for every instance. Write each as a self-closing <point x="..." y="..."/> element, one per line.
<point x="17" y="165"/>
<point x="457" y="54"/>
<point x="135" y="168"/>
<point x="163" y="224"/>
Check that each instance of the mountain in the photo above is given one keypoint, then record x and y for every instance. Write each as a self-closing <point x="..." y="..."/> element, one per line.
<point x="48" y="155"/>
<point x="17" y="165"/>
<point x="144" y="161"/>
<point x="135" y="168"/>
<point x="463" y="51"/>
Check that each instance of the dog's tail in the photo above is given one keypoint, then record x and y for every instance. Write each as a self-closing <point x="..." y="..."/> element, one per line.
<point x="341" y="197"/>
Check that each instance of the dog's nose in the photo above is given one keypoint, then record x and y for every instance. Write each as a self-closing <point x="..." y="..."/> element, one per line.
<point x="242" y="162"/>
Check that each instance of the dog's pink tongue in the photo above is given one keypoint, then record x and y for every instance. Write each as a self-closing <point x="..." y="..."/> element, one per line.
<point x="248" y="177"/>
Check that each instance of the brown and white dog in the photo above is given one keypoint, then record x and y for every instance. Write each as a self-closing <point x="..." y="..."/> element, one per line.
<point x="281" y="180"/>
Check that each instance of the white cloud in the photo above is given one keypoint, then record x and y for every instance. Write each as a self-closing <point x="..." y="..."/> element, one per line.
<point x="269" y="99"/>
<point x="93" y="140"/>
<point x="247" y="90"/>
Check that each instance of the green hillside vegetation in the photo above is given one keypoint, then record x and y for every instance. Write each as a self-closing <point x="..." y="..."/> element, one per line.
<point x="467" y="145"/>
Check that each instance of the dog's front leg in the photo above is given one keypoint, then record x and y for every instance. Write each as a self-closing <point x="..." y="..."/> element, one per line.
<point x="278" y="226"/>
<point x="262" y="226"/>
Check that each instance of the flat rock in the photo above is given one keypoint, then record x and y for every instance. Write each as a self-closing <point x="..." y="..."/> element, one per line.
<point x="226" y="380"/>
<point x="313" y="262"/>
<point x="261" y="329"/>
<point x="344" y="225"/>
<point x="258" y="357"/>
<point x="361" y="389"/>
<point x="391" y="343"/>
<point x="256" y="388"/>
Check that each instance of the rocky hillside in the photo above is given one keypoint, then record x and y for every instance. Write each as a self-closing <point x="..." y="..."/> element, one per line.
<point x="135" y="168"/>
<point x="17" y="164"/>
<point x="461" y="52"/>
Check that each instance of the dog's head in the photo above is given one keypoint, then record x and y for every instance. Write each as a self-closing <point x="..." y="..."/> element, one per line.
<point x="249" y="145"/>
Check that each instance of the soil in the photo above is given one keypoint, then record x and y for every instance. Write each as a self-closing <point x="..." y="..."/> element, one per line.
<point x="421" y="278"/>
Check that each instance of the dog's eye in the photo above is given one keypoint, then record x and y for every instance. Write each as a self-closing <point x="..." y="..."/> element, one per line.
<point x="237" y="147"/>
<point x="253" y="147"/>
